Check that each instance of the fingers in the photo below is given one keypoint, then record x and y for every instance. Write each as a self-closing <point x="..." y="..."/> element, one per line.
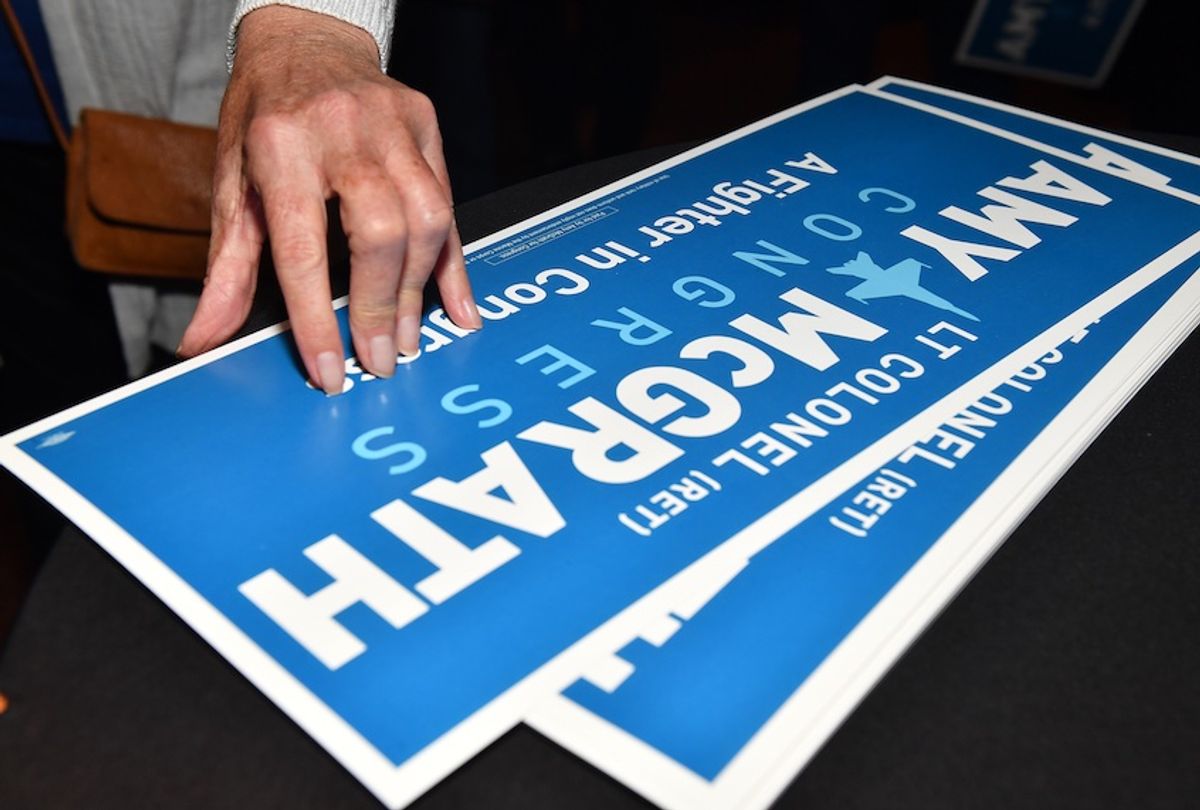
<point x="450" y="270"/>
<point x="373" y="218"/>
<point x="293" y="199"/>
<point x="379" y="153"/>
<point x="428" y="221"/>
<point x="450" y="273"/>
<point x="237" y="238"/>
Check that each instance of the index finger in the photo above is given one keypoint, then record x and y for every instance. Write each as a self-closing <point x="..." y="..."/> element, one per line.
<point x="294" y="207"/>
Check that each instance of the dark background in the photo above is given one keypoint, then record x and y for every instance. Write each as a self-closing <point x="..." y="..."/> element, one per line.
<point x="524" y="88"/>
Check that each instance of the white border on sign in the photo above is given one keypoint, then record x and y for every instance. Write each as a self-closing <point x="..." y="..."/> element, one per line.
<point x="964" y="57"/>
<point x="880" y="85"/>
<point x="1049" y="149"/>
<point x="397" y="785"/>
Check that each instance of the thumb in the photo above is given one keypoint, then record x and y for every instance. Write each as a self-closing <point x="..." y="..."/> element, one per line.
<point x="238" y="231"/>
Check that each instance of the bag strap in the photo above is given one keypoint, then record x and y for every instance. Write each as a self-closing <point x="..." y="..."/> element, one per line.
<point x="14" y="25"/>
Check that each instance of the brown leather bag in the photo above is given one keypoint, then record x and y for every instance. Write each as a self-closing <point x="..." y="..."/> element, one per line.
<point x="139" y="190"/>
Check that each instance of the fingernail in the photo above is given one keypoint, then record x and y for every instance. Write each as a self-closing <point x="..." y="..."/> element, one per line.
<point x="330" y="372"/>
<point x="473" y="319"/>
<point x="382" y="349"/>
<point x="187" y="342"/>
<point x="410" y="334"/>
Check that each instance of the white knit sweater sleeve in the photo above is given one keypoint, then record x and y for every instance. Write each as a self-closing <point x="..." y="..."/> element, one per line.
<point x="376" y="17"/>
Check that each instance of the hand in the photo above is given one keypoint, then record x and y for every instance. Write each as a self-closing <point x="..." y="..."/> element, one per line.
<point x="308" y="116"/>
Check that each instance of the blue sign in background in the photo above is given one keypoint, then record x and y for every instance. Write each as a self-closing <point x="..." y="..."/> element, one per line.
<point x="1070" y="37"/>
<point x="236" y="467"/>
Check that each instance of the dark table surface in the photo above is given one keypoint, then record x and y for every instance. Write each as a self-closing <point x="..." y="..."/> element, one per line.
<point x="1066" y="674"/>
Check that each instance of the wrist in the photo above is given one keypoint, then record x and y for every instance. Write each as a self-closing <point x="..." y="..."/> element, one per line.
<point x="291" y="31"/>
<point x="274" y="29"/>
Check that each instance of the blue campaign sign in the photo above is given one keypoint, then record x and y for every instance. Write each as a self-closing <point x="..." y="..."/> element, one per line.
<point x="1072" y="41"/>
<point x="687" y="363"/>
<point x="698" y="696"/>
<point x="744" y="657"/>
<point x="1146" y="164"/>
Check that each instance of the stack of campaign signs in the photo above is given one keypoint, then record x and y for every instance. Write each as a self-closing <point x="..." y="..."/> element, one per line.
<point x="751" y="416"/>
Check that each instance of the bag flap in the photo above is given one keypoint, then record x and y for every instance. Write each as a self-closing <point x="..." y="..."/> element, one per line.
<point x="148" y="172"/>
